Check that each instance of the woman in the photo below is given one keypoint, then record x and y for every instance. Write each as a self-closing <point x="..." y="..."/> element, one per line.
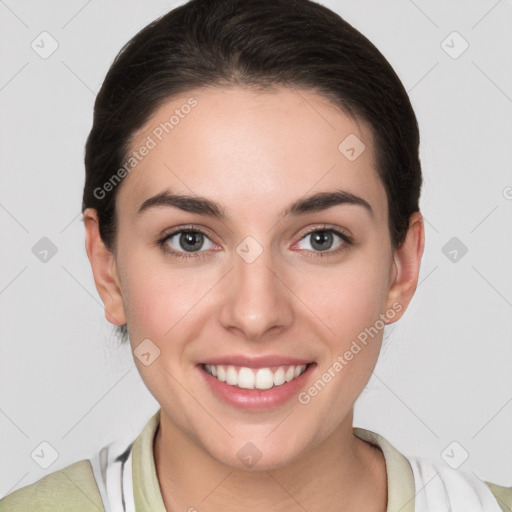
<point x="252" y="223"/>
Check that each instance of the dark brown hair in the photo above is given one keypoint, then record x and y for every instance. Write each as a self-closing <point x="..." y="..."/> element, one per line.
<point x="261" y="44"/>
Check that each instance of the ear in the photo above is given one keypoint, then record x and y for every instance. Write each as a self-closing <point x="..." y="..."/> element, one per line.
<point x="104" y="269"/>
<point x="406" y="267"/>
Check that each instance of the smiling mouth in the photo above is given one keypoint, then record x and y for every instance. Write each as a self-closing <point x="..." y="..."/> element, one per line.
<point x="255" y="378"/>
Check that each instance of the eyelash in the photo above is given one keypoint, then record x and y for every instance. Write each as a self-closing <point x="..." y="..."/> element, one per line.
<point x="347" y="242"/>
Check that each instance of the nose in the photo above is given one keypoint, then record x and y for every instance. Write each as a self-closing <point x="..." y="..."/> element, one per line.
<point x="257" y="299"/>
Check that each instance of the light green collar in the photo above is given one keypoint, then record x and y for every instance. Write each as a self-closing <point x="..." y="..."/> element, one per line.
<point x="398" y="470"/>
<point x="147" y="494"/>
<point x="146" y="489"/>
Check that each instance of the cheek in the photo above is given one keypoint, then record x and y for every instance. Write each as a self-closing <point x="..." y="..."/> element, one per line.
<point x="159" y="297"/>
<point x="348" y="297"/>
<point x="349" y="301"/>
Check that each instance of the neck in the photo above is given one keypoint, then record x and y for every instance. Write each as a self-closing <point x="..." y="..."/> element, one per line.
<point x="343" y="473"/>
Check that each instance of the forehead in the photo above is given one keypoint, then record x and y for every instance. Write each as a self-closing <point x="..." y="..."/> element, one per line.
<point x="245" y="148"/>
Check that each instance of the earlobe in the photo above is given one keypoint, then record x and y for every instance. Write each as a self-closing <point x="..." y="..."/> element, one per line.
<point x="104" y="269"/>
<point x="406" y="266"/>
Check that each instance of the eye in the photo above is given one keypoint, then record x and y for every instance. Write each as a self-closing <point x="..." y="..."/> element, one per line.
<point x="193" y="242"/>
<point x="186" y="240"/>
<point x="323" y="239"/>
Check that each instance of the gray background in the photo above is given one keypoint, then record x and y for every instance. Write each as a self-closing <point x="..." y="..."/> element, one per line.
<point x="445" y="373"/>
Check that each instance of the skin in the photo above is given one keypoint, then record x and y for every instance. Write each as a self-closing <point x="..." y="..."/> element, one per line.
<point x="255" y="153"/>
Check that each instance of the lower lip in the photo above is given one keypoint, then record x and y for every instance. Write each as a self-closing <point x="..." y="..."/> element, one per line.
<point x="256" y="399"/>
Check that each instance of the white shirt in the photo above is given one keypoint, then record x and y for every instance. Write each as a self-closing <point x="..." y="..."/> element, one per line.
<point x="438" y="488"/>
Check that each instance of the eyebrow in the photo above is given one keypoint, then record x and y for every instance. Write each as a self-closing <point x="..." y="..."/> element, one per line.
<point x="203" y="206"/>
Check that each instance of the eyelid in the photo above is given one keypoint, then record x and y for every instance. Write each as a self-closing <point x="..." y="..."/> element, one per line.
<point x="327" y="227"/>
<point x="186" y="227"/>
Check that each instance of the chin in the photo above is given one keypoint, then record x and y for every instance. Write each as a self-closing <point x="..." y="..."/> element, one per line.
<point x="257" y="453"/>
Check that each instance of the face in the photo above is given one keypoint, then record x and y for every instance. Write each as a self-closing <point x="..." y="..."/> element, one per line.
<point x="270" y="272"/>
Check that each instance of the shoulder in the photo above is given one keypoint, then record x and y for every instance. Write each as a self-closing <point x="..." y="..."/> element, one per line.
<point x="503" y="496"/>
<point x="461" y="489"/>
<point x="417" y="483"/>
<point x="71" y="488"/>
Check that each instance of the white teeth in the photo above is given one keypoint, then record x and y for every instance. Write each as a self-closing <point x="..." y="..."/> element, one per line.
<point x="221" y="373"/>
<point x="249" y="378"/>
<point x="245" y="378"/>
<point x="264" y="378"/>
<point x="231" y="376"/>
<point x="279" y="377"/>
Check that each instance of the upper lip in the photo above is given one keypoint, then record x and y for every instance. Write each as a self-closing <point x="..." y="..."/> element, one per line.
<point x="256" y="362"/>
